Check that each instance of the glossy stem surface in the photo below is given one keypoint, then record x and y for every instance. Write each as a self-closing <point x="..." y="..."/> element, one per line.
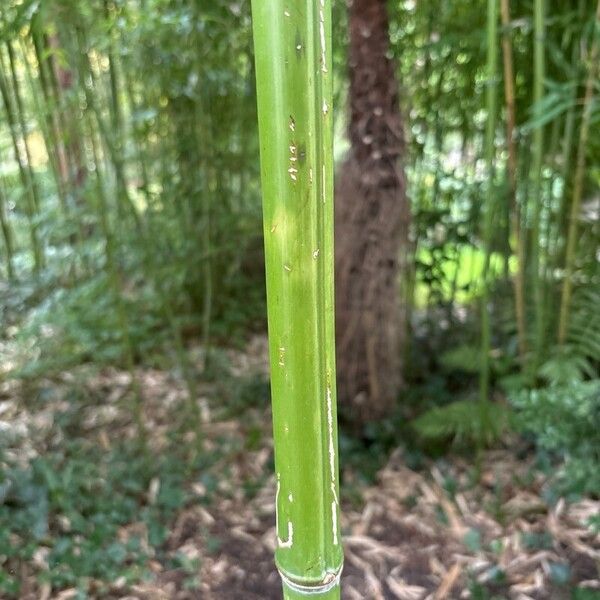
<point x="293" y="71"/>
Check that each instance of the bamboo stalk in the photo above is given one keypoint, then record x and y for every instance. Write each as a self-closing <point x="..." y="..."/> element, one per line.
<point x="115" y="102"/>
<point x="192" y="418"/>
<point x="114" y="280"/>
<point x="67" y="114"/>
<point x="552" y="218"/>
<point x="293" y="70"/>
<point x="110" y="140"/>
<point x="7" y="236"/>
<point x="52" y="106"/>
<point x="491" y="103"/>
<point x="567" y="287"/>
<point x="204" y="133"/>
<point x="140" y="149"/>
<point x="519" y="248"/>
<point x="20" y="113"/>
<point x="44" y="117"/>
<point x="568" y="139"/>
<point x="24" y="173"/>
<point x="565" y="174"/>
<point x="50" y="133"/>
<point x="539" y="69"/>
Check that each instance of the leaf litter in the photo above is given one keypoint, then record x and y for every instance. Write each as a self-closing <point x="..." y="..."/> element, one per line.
<point x="412" y="536"/>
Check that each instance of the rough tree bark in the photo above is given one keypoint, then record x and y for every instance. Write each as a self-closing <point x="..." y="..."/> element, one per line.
<point x="372" y="217"/>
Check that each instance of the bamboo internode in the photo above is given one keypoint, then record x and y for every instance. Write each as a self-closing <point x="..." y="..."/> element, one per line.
<point x="293" y="70"/>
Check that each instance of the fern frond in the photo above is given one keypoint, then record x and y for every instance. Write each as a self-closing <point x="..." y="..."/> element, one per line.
<point x="584" y="329"/>
<point x="458" y="423"/>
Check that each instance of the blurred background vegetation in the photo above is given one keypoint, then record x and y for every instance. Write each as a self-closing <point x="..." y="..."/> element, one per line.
<point x="131" y="243"/>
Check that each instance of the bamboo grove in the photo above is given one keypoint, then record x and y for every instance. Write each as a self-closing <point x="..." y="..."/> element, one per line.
<point x="130" y="210"/>
<point x="505" y="170"/>
<point x="94" y="139"/>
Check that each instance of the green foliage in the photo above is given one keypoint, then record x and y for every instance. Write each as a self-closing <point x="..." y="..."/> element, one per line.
<point x="584" y="326"/>
<point x="185" y="223"/>
<point x="472" y="540"/>
<point x="151" y="108"/>
<point x="464" y="358"/>
<point x="566" y="421"/>
<point x="480" y="592"/>
<point x="456" y="423"/>
<point x="585" y="594"/>
<point x="247" y="393"/>
<point x="566" y="367"/>
<point x="81" y="325"/>
<point x="74" y="502"/>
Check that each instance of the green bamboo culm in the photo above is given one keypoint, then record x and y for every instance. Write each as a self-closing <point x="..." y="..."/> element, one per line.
<point x="586" y="120"/>
<point x="539" y="74"/>
<point x="491" y="106"/>
<point x="293" y="71"/>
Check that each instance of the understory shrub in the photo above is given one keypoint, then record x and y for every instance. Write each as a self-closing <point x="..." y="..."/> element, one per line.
<point x="566" y="422"/>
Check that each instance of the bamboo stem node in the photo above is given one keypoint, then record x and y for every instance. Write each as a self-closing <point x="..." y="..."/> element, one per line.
<point x="330" y="582"/>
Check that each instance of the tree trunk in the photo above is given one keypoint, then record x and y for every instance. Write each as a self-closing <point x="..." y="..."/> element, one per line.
<point x="372" y="217"/>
